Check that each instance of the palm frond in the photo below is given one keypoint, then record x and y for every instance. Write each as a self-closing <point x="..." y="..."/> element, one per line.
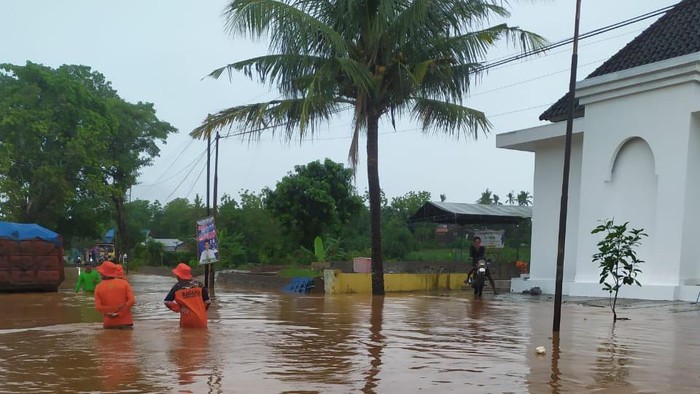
<point x="290" y="29"/>
<point x="452" y="119"/>
<point x="291" y="73"/>
<point x="359" y="123"/>
<point x="270" y="67"/>
<point x="252" y="120"/>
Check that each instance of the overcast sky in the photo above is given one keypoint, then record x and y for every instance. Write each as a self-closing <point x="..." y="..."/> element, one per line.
<point x="159" y="51"/>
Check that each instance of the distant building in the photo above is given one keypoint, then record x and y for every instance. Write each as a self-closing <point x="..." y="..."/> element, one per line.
<point x="171" y="244"/>
<point x="635" y="157"/>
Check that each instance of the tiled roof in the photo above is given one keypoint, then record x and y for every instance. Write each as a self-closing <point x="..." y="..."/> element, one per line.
<point x="675" y="34"/>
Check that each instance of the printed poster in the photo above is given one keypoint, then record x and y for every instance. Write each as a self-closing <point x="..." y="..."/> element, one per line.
<point x="207" y="244"/>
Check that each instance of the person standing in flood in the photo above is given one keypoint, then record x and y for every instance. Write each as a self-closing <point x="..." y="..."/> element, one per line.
<point x="87" y="280"/>
<point x="120" y="272"/>
<point x="189" y="298"/>
<point x="114" y="298"/>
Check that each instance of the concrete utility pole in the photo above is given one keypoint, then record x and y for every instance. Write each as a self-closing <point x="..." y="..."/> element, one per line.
<point x="212" y="276"/>
<point x="206" y="266"/>
<point x="565" y="179"/>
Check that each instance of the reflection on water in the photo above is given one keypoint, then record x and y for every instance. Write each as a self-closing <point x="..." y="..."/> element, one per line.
<point x="375" y="344"/>
<point x="261" y="342"/>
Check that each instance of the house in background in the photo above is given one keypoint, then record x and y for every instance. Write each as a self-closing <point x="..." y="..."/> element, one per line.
<point x="172" y="245"/>
<point x="635" y="157"/>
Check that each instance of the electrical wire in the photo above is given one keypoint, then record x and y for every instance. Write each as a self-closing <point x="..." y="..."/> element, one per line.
<point x="500" y="62"/>
<point x="150" y="185"/>
<point x="593" y="33"/>
<point x="173" y="162"/>
<point x="204" y="167"/>
<point x="184" y="178"/>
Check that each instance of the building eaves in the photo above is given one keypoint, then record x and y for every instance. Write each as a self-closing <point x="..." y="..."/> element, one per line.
<point x="675" y="34"/>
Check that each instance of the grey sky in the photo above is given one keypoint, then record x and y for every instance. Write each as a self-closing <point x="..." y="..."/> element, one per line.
<point x="159" y="50"/>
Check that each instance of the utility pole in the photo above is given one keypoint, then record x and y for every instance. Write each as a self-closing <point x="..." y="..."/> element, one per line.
<point x="565" y="179"/>
<point x="206" y="266"/>
<point x="212" y="276"/>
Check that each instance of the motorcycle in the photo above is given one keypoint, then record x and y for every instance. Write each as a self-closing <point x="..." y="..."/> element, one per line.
<point x="478" y="278"/>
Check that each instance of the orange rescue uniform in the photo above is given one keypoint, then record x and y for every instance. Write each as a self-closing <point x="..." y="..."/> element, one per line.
<point x="114" y="296"/>
<point x="191" y="299"/>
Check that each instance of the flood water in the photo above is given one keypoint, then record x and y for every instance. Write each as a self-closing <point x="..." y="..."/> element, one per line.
<point x="266" y="342"/>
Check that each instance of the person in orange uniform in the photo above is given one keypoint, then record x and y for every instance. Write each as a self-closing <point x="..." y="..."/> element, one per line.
<point x="114" y="298"/>
<point x="120" y="272"/>
<point x="189" y="298"/>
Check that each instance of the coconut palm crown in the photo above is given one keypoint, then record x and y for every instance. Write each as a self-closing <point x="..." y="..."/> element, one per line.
<point x="377" y="57"/>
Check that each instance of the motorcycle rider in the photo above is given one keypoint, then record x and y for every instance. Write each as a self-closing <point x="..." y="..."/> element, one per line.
<point x="477" y="252"/>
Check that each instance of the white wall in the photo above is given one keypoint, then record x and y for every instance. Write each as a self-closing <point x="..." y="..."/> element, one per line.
<point x="639" y="162"/>
<point x="661" y="118"/>
<point x="690" y="249"/>
<point x="549" y="160"/>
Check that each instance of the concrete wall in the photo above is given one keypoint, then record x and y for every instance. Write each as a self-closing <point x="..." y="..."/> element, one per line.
<point x="690" y="248"/>
<point x="549" y="159"/>
<point x="499" y="270"/>
<point x="337" y="282"/>
<point x="639" y="163"/>
<point x="635" y="169"/>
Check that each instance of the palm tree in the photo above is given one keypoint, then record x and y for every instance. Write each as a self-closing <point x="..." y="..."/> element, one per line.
<point x="524" y="198"/>
<point x="496" y="200"/>
<point x="510" y="198"/>
<point x="380" y="58"/>
<point x="486" y="198"/>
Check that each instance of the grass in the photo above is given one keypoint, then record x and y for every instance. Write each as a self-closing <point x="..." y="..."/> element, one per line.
<point x="294" y="272"/>
<point x="449" y="254"/>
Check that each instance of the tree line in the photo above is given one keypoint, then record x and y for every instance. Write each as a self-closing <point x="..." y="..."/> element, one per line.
<point x="523" y="198"/>
<point x="70" y="148"/>
<point x="279" y="225"/>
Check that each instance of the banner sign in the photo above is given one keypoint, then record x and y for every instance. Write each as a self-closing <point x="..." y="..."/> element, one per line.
<point x="207" y="244"/>
<point x="491" y="238"/>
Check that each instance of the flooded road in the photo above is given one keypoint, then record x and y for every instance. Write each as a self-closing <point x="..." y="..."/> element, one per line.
<point x="260" y="342"/>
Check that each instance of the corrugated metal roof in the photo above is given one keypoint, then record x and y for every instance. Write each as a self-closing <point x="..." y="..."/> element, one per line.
<point x="463" y="213"/>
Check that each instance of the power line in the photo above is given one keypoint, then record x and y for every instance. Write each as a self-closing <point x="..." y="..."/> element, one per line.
<point x="184" y="178"/>
<point x="174" y="161"/>
<point x="614" y="26"/>
<point x="197" y="158"/>
<point x="196" y="180"/>
<point x="507" y="60"/>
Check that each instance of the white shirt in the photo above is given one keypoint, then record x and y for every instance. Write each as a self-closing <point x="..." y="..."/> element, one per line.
<point x="207" y="256"/>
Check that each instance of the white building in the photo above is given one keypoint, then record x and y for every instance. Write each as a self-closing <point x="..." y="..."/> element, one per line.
<point x="635" y="157"/>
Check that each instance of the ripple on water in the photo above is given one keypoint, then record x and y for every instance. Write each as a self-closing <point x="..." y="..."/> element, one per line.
<point x="274" y="342"/>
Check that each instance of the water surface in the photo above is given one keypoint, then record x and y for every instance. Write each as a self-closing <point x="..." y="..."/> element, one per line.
<point x="266" y="342"/>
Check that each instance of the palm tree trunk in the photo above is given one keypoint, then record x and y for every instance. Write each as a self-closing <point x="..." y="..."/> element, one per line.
<point x="375" y="206"/>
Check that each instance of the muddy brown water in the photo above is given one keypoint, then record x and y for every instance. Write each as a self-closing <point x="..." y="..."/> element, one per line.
<point x="265" y="342"/>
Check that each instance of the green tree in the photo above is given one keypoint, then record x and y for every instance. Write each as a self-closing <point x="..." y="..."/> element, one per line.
<point x="409" y="203"/>
<point x="262" y="233"/>
<point x="130" y="145"/>
<point x="48" y="162"/>
<point x="177" y="220"/>
<point x="382" y="58"/>
<point x="486" y="197"/>
<point x="317" y="199"/>
<point x="524" y="198"/>
<point x="617" y="258"/>
<point x="510" y="198"/>
<point x="139" y="216"/>
<point x="71" y="144"/>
